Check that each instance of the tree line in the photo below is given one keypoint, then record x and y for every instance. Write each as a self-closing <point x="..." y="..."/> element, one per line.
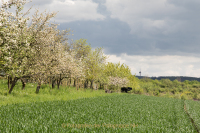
<point x="35" y="50"/>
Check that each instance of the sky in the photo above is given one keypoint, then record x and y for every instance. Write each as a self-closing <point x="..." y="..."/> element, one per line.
<point x="158" y="37"/>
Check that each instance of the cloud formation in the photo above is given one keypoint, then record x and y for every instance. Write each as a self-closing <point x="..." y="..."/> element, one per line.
<point x="166" y="26"/>
<point x="160" y="65"/>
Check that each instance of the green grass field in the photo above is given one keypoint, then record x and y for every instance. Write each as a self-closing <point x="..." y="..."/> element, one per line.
<point x="69" y="110"/>
<point x="117" y="113"/>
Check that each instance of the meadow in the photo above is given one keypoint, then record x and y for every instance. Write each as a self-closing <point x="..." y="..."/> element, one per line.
<point x="69" y="110"/>
<point x="46" y="93"/>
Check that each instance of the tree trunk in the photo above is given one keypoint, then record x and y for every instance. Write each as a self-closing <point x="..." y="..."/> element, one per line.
<point x="66" y="82"/>
<point x="38" y="88"/>
<point x="74" y="82"/>
<point x="91" y="84"/>
<point x="23" y="84"/>
<point x="86" y="84"/>
<point x="97" y="86"/>
<point x="101" y="86"/>
<point x="61" y="82"/>
<point x="14" y="81"/>
<point x="58" y="83"/>
<point x="53" y="82"/>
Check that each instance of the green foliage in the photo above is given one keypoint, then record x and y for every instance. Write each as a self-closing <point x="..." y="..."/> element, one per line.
<point x="133" y="82"/>
<point x="177" y="96"/>
<point x="148" y="86"/>
<point x="95" y="63"/>
<point x="184" y="96"/>
<point x="166" y="83"/>
<point x="198" y="97"/>
<point x="81" y="48"/>
<point x="144" y="113"/>
<point x="177" y="84"/>
<point x="138" y="91"/>
<point x="176" y="89"/>
<point x="196" y="86"/>
<point x="117" y="70"/>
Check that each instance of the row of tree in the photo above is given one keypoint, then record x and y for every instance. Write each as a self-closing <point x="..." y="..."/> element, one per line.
<point x="35" y="50"/>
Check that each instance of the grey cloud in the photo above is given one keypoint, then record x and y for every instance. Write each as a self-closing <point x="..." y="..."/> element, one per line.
<point x="188" y="4"/>
<point x="111" y="34"/>
<point x="102" y="7"/>
<point x="171" y="30"/>
<point x="114" y="36"/>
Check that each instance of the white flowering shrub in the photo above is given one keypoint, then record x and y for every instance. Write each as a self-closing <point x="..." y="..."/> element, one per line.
<point x="117" y="81"/>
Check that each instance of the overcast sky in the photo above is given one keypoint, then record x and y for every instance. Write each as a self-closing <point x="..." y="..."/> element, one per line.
<point x="160" y="37"/>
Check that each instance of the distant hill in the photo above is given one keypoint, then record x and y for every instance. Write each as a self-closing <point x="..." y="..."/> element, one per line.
<point x="179" y="78"/>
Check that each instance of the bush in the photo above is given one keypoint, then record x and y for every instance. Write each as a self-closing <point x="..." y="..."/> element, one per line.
<point x="196" y="96"/>
<point x="177" y="96"/>
<point x="184" y="96"/>
<point x="177" y="83"/>
<point x="139" y="91"/>
<point x="166" y="83"/>
<point x="150" y="93"/>
<point x="196" y="86"/>
<point x="161" y="90"/>
<point x="174" y="90"/>
<point x="156" y="93"/>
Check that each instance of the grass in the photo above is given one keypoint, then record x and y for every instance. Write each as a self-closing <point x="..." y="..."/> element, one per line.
<point x="137" y="113"/>
<point x="46" y="94"/>
<point x="193" y="108"/>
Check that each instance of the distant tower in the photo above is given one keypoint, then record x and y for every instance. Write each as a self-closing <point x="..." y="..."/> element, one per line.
<point x="140" y="72"/>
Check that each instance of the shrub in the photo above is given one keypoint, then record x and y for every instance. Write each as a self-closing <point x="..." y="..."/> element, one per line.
<point x="150" y="93"/>
<point x="177" y="96"/>
<point x="174" y="90"/>
<point x="168" y="95"/>
<point x="196" y="86"/>
<point x="198" y="97"/>
<point x="166" y="83"/>
<point x="161" y="90"/>
<point x="139" y="91"/>
<point x="156" y="93"/>
<point x="184" y="96"/>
